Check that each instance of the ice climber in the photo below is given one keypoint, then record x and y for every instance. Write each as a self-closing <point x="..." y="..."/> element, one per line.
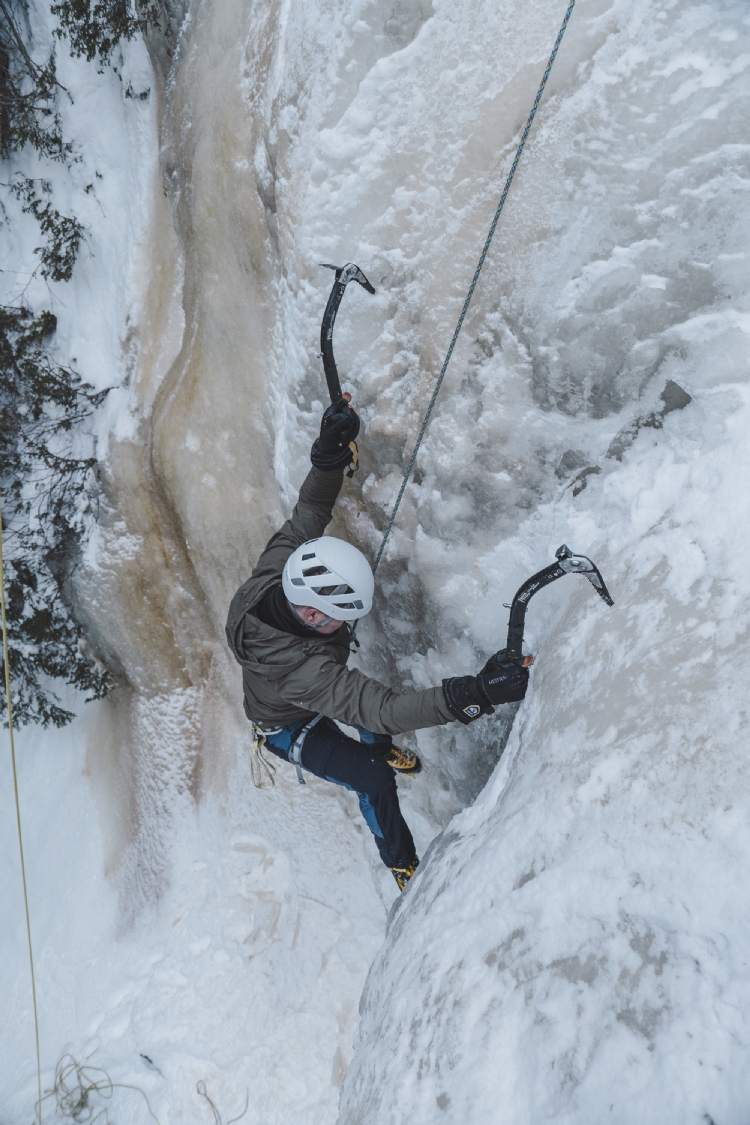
<point x="288" y="628"/>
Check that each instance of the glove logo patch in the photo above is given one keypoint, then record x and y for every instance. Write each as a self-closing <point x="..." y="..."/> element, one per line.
<point x="472" y="710"/>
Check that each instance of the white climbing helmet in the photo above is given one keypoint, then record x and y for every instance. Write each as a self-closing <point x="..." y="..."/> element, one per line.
<point x="333" y="566"/>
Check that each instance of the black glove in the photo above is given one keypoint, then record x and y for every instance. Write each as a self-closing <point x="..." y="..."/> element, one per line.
<point x="465" y="702"/>
<point x="336" y="447"/>
<point x="500" y="681"/>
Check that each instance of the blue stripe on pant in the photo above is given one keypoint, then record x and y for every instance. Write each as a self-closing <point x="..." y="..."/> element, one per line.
<point x="361" y="767"/>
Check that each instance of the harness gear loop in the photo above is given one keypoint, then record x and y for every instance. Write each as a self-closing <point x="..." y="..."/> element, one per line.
<point x="295" y="750"/>
<point x="6" y="665"/>
<point x="261" y="769"/>
<point x="474" y="281"/>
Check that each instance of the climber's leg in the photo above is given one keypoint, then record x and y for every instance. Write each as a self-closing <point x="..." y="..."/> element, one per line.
<point x="331" y="754"/>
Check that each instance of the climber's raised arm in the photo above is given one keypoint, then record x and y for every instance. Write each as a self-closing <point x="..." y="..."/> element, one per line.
<point x="332" y="453"/>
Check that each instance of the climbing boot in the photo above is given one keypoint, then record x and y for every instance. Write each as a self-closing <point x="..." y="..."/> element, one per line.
<point x="403" y="761"/>
<point x="402" y="875"/>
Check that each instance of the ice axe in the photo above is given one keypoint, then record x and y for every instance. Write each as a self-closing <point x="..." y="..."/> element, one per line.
<point x="344" y="274"/>
<point x="567" y="563"/>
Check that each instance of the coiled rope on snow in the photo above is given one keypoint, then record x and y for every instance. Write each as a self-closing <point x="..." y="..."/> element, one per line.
<point x="475" y="279"/>
<point x="6" y="666"/>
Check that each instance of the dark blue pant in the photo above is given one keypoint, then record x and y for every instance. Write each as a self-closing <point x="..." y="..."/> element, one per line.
<point x="362" y="767"/>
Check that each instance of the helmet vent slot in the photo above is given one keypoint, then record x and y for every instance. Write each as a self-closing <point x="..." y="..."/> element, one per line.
<point x="306" y="557"/>
<point x="310" y="571"/>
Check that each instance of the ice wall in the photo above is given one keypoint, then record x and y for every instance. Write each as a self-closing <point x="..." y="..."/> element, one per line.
<point x="292" y="134"/>
<point x="573" y="949"/>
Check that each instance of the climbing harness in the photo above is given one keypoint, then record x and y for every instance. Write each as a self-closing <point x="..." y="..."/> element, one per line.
<point x="262" y="771"/>
<point x="295" y="750"/>
<point x="6" y="665"/>
<point x="567" y="563"/>
<point x="472" y="287"/>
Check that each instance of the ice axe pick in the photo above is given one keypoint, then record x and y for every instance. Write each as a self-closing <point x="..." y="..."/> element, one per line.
<point x="344" y="274"/>
<point x="567" y="563"/>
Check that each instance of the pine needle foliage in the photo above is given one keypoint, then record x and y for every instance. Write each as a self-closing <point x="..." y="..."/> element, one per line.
<point x="28" y="91"/>
<point x="63" y="232"/>
<point x="44" y="483"/>
<point x="29" y="118"/>
<point x="94" y="28"/>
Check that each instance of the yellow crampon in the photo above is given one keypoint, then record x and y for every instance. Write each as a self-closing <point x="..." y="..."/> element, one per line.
<point x="261" y="770"/>
<point x="402" y="875"/>
<point x="403" y="761"/>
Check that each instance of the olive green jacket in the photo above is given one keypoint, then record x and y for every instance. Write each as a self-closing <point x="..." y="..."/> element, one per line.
<point x="288" y="679"/>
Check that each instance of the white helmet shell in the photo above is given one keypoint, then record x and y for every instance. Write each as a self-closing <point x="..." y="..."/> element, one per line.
<point x="334" y="566"/>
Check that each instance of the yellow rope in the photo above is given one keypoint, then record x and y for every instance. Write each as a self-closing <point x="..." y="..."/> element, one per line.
<point x="18" y="821"/>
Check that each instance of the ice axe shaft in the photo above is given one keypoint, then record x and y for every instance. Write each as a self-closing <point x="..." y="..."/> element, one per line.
<point x="567" y="563"/>
<point x="344" y="274"/>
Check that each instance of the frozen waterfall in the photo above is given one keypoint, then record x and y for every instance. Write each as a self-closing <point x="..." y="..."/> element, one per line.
<point x="573" y="949"/>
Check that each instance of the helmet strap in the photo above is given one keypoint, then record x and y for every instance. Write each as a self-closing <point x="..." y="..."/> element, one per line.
<point x="325" y="621"/>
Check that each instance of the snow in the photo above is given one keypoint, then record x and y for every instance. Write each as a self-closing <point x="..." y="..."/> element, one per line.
<point x="255" y="957"/>
<point x="577" y="937"/>
<point x="573" y="947"/>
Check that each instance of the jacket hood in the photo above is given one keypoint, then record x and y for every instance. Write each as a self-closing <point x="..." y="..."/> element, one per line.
<point x="273" y="653"/>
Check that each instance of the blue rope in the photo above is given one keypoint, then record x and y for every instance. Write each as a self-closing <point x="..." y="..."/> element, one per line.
<point x="472" y="287"/>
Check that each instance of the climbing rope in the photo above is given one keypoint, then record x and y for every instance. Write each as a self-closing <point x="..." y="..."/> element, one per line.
<point x="18" y="822"/>
<point x="73" y="1088"/>
<point x="472" y="287"/>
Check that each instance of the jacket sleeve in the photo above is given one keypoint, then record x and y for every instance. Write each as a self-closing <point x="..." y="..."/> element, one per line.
<point x="322" y="685"/>
<point x="310" y="518"/>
